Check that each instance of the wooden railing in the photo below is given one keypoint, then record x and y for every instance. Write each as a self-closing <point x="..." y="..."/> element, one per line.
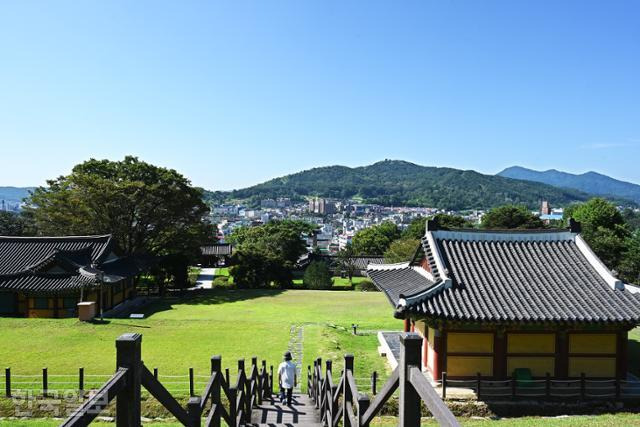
<point x="126" y="384"/>
<point x="342" y="401"/>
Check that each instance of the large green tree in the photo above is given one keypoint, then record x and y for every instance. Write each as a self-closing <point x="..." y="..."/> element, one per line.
<point x="401" y="250"/>
<point x="148" y="209"/>
<point x="15" y="224"/>
<point x="511" y="216"/>
<point x="375" y="240"/>
<point x="266" y="255"/>
<point x="604" y="229"/>
<point x="317" y="276"/>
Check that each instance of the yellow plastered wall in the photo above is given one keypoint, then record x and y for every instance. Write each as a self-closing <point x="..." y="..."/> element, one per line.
<point x="592" y="343"/>
<point x="539" y="366"/>
<point x="592" y="366"/>
<point x="465" y="366"/>
<point x="421" y="328"/>
<point x="463" y="342"/>
<point x="531" y="343"/>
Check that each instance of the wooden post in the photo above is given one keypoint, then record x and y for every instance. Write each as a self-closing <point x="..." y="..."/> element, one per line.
<point x="409" y="401"/>
<point x="374" y="381"/>
<point x="318" y="374"/>
<point x="363" y="405"/>
<point x="547" y="385"/>
<point x="193" y="409"/>
<point x="7" y="382"/>
<point x="128" y="355"/>
<point x="270" y="379"/>
<point x="233" y="395"/>
<point x="346" y="390"/>
<point x="444" y="385"/>
<point x="45" y="382"/>
<point x="191" y="385"/>
<point x="583" y="386"/>
<point x="81" y="380"/>
<point x="333" y="405"/>
<point x="155" y="373"/>
<point x="216" y="369"/>
<point x="226" y="375"/>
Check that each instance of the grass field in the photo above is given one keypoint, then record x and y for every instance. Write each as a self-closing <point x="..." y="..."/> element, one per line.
<point x="572" y="421"/>
<point x="178" y="334"/>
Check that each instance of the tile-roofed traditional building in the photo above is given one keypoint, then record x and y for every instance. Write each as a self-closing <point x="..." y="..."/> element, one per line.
<point x="490" y="302"/>
<point x="48" y="276"/>
<point x="215" y="254"/>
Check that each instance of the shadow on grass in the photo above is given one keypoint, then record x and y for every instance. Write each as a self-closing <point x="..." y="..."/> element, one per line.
<point x="208" y="297"/>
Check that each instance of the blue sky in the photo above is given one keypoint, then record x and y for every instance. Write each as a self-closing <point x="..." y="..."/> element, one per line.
<point x="234" y="93"/>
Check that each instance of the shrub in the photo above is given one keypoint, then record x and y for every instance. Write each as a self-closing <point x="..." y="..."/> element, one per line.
<point x="367" y="286"/>
<point x="221" y="282"/>
<point x="317" y="276"/>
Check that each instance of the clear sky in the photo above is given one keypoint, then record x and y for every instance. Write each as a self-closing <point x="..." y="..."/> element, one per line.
<point x="234" y="93"/>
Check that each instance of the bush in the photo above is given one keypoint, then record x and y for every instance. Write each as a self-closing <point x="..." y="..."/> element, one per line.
<point x="221" y="282"/>
<point x="367" y="286"/>
<point x="317" y="276"/>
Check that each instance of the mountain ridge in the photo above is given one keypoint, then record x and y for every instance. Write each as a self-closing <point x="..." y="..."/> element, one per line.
<point x="590" y="182"/>
<point x="402" y="183"/>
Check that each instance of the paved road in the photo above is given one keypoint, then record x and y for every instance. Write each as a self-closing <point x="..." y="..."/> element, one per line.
<point x="205" y="279"/>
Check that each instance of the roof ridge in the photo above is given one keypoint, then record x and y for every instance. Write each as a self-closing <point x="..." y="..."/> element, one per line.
<point x="44" y="238"/>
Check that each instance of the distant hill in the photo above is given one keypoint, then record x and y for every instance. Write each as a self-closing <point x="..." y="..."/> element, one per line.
<point x="400" y="183"/>
<point x="14" y="194"/>
<point x="591" y="182"/>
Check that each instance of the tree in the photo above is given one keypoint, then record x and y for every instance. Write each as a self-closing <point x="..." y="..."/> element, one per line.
<point x="511" y="216"/>
<point x="317" y="276"/>
<point x="148" y="209"/>
<point x="375" y="240"/>
<point x="401" y="250"/>
<point x="629" y="267"/>
<point x="347" y="261"/>
<point x="14" y="224"/>
<point x="267" y="253"/>
<point x="604" y="229"/>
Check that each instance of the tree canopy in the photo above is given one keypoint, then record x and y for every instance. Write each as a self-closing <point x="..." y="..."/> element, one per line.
<point x="317" y="276"/>
<point x="401" y="250"/>
<point x="14" y="224"/>
<point x="266" y="254"/>
<point x="511" y="216"/>
<point x="375" y="240"/>
<point x="148" y="209"/>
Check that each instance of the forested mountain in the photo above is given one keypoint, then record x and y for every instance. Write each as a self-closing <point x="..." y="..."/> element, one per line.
<point x="589" y="182"/>
<point x="14" y="194"/>
<point x="398" y="183"/>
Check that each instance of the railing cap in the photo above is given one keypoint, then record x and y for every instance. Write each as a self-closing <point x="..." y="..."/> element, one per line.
<point x="129" y="337"/>
<point x="410" y="337"/>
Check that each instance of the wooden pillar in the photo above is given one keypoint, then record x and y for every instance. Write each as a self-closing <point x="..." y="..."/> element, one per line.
<point x="439" y="350"/>
<point x="128" y="355"/>
<point x="55" y="306"/>
<point x="413" y="326"/>
<point x="500" y="355"/>
<point x="622" y="355"/>
<point x="407" y="325"/>
<point x="562" y="354"/>
<point x="409" y="400"/>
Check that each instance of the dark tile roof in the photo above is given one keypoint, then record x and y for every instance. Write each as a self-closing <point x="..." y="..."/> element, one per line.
<point x="43" y="283"/>
<point x="510" y="277"/>
<point x="400" y="281"/>
<point x="361" y="262"/>
<point x="217" y="250"/>
<point x="62" y="264"/>
<point x="20" y="253"/>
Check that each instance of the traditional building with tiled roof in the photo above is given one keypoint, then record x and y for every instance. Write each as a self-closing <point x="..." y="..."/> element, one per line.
<point x="491" y="302"/>
<point x="215" y="254"/>
<point x="49" y="276"/>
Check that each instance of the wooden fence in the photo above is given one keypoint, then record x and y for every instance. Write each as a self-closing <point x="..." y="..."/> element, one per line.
<point x="546" y="389"/>
<point x="131" y="375"/>
<point x="341" y="401"/>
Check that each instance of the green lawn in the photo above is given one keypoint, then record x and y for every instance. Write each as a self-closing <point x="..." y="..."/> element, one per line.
<point x="179" y="334"/>
<point x="608" y="420"/>
<point x="337" y="281"/>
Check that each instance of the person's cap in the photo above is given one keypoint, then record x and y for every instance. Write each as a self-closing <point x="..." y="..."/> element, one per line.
<point x="287" y="355"/>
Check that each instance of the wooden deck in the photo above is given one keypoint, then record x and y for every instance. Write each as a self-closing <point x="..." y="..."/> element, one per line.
<point x="302" y="412"/>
